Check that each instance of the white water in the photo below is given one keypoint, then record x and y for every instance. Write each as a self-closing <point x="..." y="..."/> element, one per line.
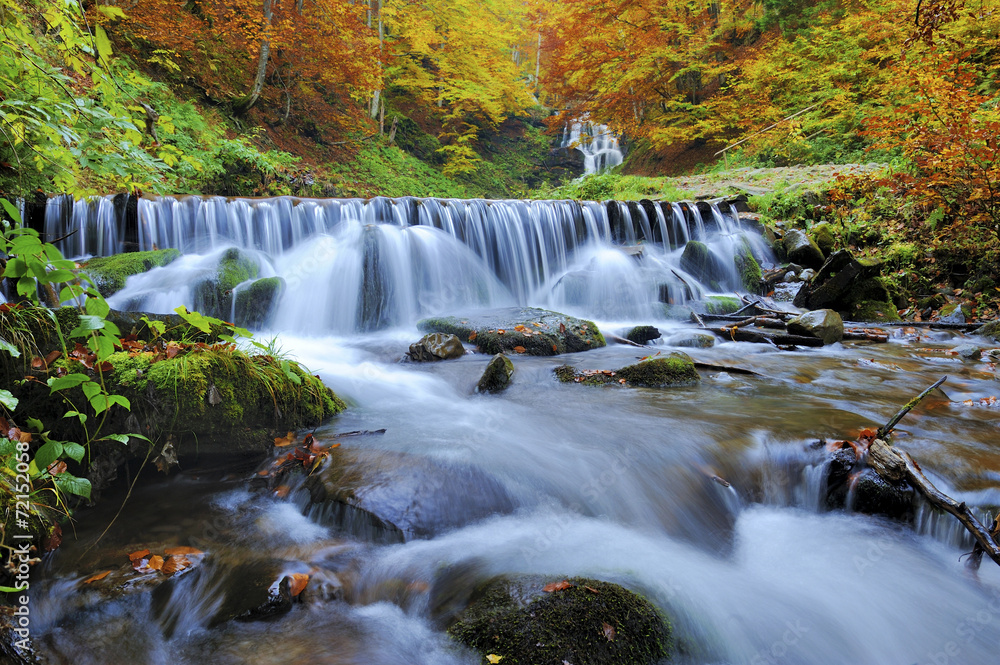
<point x="600" y="147"/>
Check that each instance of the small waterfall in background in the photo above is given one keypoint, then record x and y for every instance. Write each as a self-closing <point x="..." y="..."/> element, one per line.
<point x="599" y="146"/>
<point x="364" y="264"/>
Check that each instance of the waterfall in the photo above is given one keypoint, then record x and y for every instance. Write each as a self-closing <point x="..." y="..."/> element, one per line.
<point x="599" y="146"/>
<point x="360" y="264"/>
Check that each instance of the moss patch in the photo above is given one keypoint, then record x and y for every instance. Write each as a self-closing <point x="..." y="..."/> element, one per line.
<point x="214" y="296"/>
<point x="748" y="269"/>
<point x="110" y="272"/>
<point x="255" y="303"/>
<point x="515" y="619"/>
<point x="674" y="369"/>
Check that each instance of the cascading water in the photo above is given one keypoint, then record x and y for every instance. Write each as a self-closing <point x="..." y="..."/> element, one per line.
<point x="600" y="147"/>
<point x="708" y="499"/>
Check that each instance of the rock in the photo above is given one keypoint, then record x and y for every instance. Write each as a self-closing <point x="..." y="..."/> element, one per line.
<point x="386" y="496"/>
<point x="825" y="324"/>
<point x="436" y="346"/>
<point x="955" y="313"/>
<point x="873" y="495"/>
<point x="660" y="371"/>
<point x="642" y="334"/>
<point x="968" y="352"/>
<point x="747" y="268"/>
<point x="254" y="303"/>
<point x="589" y="623"/>
<point x="692" y="339"/>
<point x="801" y="249"/>
<point x="822" y="235"/>
<point x="537" y="332"/>
<point x="698" y="261"/>
<point x="850" y="286"/>
<point x="719" y="304"/>
<point x="214" y="296"/>
<point x="497" y="375"/>
<point x="990" y="330"/>
<point x="110" y="272"/>
<point x="807" y="274"/>
<point x="677" y="312"/>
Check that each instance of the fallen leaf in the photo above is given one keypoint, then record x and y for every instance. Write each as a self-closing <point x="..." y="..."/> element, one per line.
<point x="493" y="658"/>
<point x="297" y="583"/>
<point x="284" y="441"/>
<point x="473" y="335"/>
<point x="181" y="549"/>
<point x="609" y="631"/>
<point x="591" y="589"/>
<point x="155" y="562"/>
<point x="519" y="328"/>
<point x="281" y="491"/>
<point x="97" y="577"/>
<point x="562" y="327"/>
<point x="57" y="467"/>
<point x="137" y="555"/>
<point x="557" y="586"/>
<point x="519" y="349"/>
<point x="37" y="363"/>
<point x="501" y="331"/>
<point x="174" y="564"/>
<point x="536" y="324"/>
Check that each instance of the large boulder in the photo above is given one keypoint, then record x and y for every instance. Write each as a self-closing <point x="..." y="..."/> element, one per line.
<point x="698" y="261"/>
<point x="801" y="249"/>
<point x="642" y="334"/>
<point x="990" y="330"/>
<point x="214" y="296"/>
<point x="436" y="346"/>
<point x="497" y="375"/>
<point x="256" y="301"/>
<point x="549" y="621"/>
<point x="851" y="286"/>
<point x="825" y="324"/>
<point x="110" y="272"/>
<point x="536" y="332"/>
<point x="822" y="235"/>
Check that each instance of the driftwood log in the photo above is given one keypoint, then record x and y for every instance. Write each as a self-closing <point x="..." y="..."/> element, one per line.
<point x="896" y="466"/>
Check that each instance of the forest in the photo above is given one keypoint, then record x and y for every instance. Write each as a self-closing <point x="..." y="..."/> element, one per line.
<point x="218" y="420"/>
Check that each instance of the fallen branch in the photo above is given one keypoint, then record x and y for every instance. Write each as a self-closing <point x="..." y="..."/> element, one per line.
<point x="621" y="340"/>
<point x="885" y="429"/>
<point x="726" y="368"/>
<point x="743" y="335"/>
<point x="865" y="335"/>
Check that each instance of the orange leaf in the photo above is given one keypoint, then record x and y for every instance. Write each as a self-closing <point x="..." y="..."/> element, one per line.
<point x="591" y="589"/>
<point x="473" y="335"/>
<point x="138" y="554"/>
<point x="281" y="491"/>
<point x="181" y="549"/>
<point x="173" y="564"/>
<point x="298" y="583"/>
<point x="283" y="441"/>
<point x="97" y="577"/>
<point x="519" y="328"/>
<point x="57" y="467"/>
<point x="155" y="562"/>
<point x="557" y="586"/>
<point x="519" y="349"/>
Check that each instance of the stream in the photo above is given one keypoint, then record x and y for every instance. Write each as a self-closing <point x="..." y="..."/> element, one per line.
<point x="560" y="480"/>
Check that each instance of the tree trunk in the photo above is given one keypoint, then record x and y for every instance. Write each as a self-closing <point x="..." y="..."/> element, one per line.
<point x="375" y="10"/>
<point x="246" y="103"/>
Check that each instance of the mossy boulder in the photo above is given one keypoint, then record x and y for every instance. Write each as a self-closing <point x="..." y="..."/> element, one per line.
<point x="660" y="371"/>
<point x="801" y="249"/>
<point x="214" y="296"/>
<point x="990" y="330"/>
<point x="536" y="332"/>
<point x="436" y="346"/>
<point x="955" y="313"/>
<point x="497" y="375"/>
<point x="256" y="302"/>
<point x="747" y="268"/>
<point x="718" y="304"/>
<point x="873" y="311"/>
<point x="643" y="334"/>
<point x="590" y="622"/>
<point x="822" y="235"/>
<point x="110" y="272"/>
<point x="698" y="261"/>
<point x="825" y="324"/>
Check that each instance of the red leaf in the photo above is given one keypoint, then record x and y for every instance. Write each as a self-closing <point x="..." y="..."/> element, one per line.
<point x="557" y="586"/>
<point x="96" y="577"/>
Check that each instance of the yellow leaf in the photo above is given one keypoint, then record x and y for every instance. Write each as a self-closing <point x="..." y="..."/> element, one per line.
<point x="493" y="658"/>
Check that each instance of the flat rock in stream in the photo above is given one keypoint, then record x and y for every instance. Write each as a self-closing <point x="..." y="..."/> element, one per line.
<point x="388" y="496"/>
<point x="659" y="371"/>
<point x="536" y="332"/>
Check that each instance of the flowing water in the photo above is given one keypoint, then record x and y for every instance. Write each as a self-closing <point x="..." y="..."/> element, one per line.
<point x="561" y="480"/>
<point x="600" y="147"/>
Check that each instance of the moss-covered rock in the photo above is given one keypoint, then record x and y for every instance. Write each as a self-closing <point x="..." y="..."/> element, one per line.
<point x="589" y="623"/>
<point x="214" y="296"/>
<point x="698" y="261"/>
<point x="747" y="268"/>
<point x="955" y="313"/>
<point x="801" y="249"/>
<point x="254" y="303"/>
<point x="822" y="235"/>
<point x="825" y="324"/>
<point x="660" y="371"/>
<point x="497" y="375"/>
<point x="990" y="330"/>
<point x="436" y="346"/>
<point x="720" y="304"/>
<point x="643" y="334"/>
<point x="536" y="332"/>
<point x="873" y="311"/>
<point x="110" y="272"/>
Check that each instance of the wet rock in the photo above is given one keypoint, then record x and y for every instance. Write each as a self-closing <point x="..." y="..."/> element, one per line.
<point x="841" y="465"/>
<point x="968" y="351"/>
<point x="751" y="278"/>
<point x="699" y="262"/>
<point x="955" y="313"/>
<point x="873" y="495"/>
<point x="254" y="303"/>
<point x="661" y="371"/>
<point x="390" y="497"/>
<point x="15" y="648"/>
<point x="214" y="296"/>
<point x="989" y="330"/>
<point x="677" y="312"/>
<point x="589" y="623"/>
<point x="692" y="339"/>
<point x="822" y="235"/>
<point x="719" y="305"/>
<point x="436" y="346"/>
<point x="825" y="324"/>
<point x="642" y="334"/>
<point x="497" y="375"/>
<point x="536" y="332"/>
<point x="806" y="275"/>
<point x="111" y="272"/>
<point x="801" y="249"/>
<point x="850" y="286"/>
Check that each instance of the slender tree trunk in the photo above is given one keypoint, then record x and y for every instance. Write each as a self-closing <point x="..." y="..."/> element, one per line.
<point x="375" y="17"/>
<point x="246" y="103"/>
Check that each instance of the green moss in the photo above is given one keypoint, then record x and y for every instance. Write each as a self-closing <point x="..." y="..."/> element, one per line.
<point x="110" y="272"/>
<point x="515" y="619"/>
<point x="822" y="235"/>
<point x="659" y="372"/>
<point x="255" y="303"/>
<point x="873" y="311"/>
<point x="214" y="296"/>
<point x="497" y="375"/>
<point x="749" y="271"/>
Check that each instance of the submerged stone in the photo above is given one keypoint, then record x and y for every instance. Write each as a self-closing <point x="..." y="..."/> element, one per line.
<point x="111" y="272"/>
<point x="698" y="261"/>
<point x="436" y="346"/>
<point x="583" y="621"/>
<point x="642" y="334"/>
<point x="497" y="375"/>
<point x="536" y="332"/>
